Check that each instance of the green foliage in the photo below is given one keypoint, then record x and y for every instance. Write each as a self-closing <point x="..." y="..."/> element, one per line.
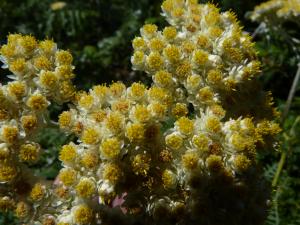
<point x="99" y="35"/>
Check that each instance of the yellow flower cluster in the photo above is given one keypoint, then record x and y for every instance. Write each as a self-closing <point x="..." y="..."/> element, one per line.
<point x="174" y="143"/>
<point x="182" y="151"/>
<point x="41" y="74"/>
<point x="275" y="11"/>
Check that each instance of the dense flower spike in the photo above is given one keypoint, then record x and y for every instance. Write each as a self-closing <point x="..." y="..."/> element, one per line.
<point x="277" y="11"/>
<point x="182" y="151"/>
<point x="41" y="75"/>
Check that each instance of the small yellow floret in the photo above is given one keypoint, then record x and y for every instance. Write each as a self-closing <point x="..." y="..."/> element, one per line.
<point x="214" y="77"/>
<point x="64" y="72"/>
<point x="4" y="114"/>
<point x="193" y="82"/>
<point x="63" y="57"/>
<point x="178" y="12"/>
<point x="149" y="29"/>
<point x="101" y="91"/>
<point x="49" y="220"/>
<point x="240" y="142"/>
<point x="137" y="90"/>
<point x="214" y="163"/>
<point x="135" y="132"/>
<point x="172" y="53"/>
<point x="188" y="47"/>
<point x="37" y="192"/>
<point x="141" y="164"/>
<point x="8" y="50"/>
<point x="37" y="102"/>
<point x="115" y="122"/>
<point x="28" y="43"/>
<point x="67" y="90"/>
<point x="138" y="43"/>
<point x="218" y="110"/>
<point x="90" y="136"/>
<point x="10" y="134"/>
<point x="168" y="5"/>
<point x="205" y="95"/>
<point x="183" y="70"/>
<point x="99" y="116"/>
<point x="110" y="148"/>
<point x="163" y="78"/>
<point x="159" y="94"/>
<point x="65" y="119"/>
<point x="213" y="16"/>
<point x="117" y="89"/>
<point x="47" y="46"/>
<point x="90" y="160"/>
<point x="67" y="176"/>
<point x="58" y="5"/>
<point x="18" y="66"/>
<point x="48" y="79"/>
<point x="83" y="215"/>
<point x="16" y="89"/>
<point x="170" y="33"/>
<point x="68" y="153"/>
<point x="156" y="44"/>
<point x="86" y="101"/>
<point x="22" y="210"/>
<point x="200" y="57"/>
<point x="203" y="41"/>
<point x="29" y="152"/>
<point x="158" y="110"/>
<point x="112" y="173"/>
<point x="155" y="61"/>
<point x="42" y="63"/>
<point x="179" y="110"/>
<point x="185" y="125"/>
<point x="201" y="142"/>
<point x="6" y="204"/>
<point x="138" y="58"/>
<point x="215" y="32"/>
<point x="4" y="154"/>
<point x="168" y="179"/>
<point x="190" y="160"/>
<point x="121" y="105"/>
<point x="141" y="113"/>
<point x="241" y="163"/>
<point x="85" y="188"/>
<point x="213" y="124"/>
<point x="174" y="141"/>
<point x="7" y="173"/>
<point x="29" y="122"/>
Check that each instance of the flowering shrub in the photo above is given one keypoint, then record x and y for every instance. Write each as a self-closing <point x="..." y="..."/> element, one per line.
<point x="182" y="151"/>
<point x="277" y="11"/>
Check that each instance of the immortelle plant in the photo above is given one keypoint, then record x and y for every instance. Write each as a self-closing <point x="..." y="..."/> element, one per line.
<point x="182" y="151"/>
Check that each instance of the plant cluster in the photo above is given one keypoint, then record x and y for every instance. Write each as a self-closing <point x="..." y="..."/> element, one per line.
<point x="277" y="11"/>
<point x="182" y="151"/>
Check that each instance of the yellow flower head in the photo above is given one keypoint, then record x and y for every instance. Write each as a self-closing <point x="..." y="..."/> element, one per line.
<point x="110" y="148"/>
<point x="29" y="152"/>
<point x="83" y="214"/>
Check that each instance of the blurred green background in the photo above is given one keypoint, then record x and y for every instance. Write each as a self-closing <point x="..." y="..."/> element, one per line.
<point x="99" y="34"/>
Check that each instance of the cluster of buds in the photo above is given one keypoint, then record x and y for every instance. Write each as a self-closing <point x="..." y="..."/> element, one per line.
<point x="41" y="74"/>
<point x="277" y="11"/>
<point x="182" y="151"/>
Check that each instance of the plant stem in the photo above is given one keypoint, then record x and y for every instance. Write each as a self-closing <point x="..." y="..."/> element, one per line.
<point x="284" y="115"/>
<point x="279" y="169"/>
<point x="258" y="29"/>
<point x="291" y="95"/>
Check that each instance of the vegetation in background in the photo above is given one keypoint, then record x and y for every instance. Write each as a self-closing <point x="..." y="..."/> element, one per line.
<point x="99" y="34"/>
